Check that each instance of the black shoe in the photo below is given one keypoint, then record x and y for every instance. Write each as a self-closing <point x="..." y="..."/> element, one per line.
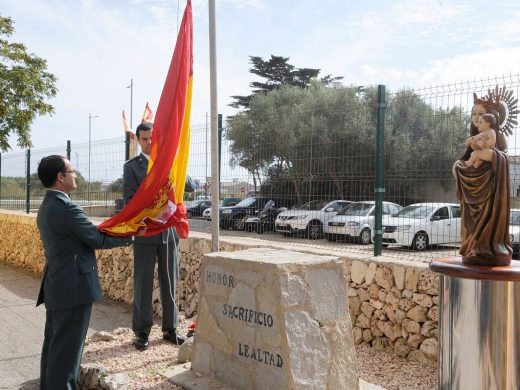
<point x="141" y="342"/>
<point x="173" y="337"/>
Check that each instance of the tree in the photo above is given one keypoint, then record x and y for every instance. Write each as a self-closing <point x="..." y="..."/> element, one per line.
<point x="25" y="85"/>
<point x="116" y="186"/>
<point x="321" y="139"/>
<point x="277" y="72"/>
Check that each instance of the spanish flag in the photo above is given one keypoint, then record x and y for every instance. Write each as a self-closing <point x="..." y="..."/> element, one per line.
<point x="133" y="140"/>
<point x="147" y="117"/>
<point x="147" y="114"/>
<point x="157" y="204"/>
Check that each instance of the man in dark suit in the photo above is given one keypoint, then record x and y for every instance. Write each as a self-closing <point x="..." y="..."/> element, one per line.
<point x="70" y="279"/>
<point x="162" y="247"/>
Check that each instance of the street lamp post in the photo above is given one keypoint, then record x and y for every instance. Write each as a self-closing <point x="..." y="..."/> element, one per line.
<point x="90" y="117"/>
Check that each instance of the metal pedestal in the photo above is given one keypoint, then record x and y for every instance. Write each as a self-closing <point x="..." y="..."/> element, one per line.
<point x="479" y="339"/>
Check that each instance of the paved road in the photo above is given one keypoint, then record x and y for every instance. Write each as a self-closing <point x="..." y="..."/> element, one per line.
<point x="204" y="226"/>
<point x="22" y="325"/>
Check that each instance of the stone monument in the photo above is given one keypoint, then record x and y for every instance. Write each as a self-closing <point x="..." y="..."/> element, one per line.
<point x="274" y="319"/>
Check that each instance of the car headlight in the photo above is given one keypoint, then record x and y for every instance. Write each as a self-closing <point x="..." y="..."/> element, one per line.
<point x="226" y="212"/>
<point x="300" y="217"/>
<point x="403" y="228"/>
<point x="352" y="223"/>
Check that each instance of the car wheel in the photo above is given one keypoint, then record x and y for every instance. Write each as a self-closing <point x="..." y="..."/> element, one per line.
<point x="238" y="223"/>
<point x="314" y="230"/>
<point x="420" y="241"/>
<point x="365" y="237"/>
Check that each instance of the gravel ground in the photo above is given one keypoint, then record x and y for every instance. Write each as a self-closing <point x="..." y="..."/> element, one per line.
<point x="119" y="356"/>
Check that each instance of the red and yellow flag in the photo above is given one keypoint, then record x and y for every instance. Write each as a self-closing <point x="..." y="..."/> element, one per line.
<point x="157" y="204"/>
<point x="133" y="140"/>
<point x="147" y="114"/>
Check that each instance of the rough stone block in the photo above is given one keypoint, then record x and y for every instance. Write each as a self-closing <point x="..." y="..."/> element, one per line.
<point x="275" y="319"/>
<point x="357" y="273"/>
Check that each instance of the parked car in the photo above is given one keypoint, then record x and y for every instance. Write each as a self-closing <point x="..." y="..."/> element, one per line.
<point x="422" y="224"/>
<point x="226" y="202"/>
<point x="195" y="208"/>
<point x="356" y="221"/>
<point x="206" y="214"/>
<point x="309" y="218"/>
<point x="234" y="217"/>
<point x="514" y="231"/>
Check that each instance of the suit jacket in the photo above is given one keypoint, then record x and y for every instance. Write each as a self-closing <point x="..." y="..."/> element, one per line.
<point x="70" y="276"/>
<point x="134" y="172"/>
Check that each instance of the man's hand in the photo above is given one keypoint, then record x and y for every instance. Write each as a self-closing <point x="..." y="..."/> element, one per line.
<point x="142" y="232"/>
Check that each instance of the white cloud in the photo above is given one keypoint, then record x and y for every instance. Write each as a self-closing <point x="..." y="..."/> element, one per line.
<point x="95" y="47"/>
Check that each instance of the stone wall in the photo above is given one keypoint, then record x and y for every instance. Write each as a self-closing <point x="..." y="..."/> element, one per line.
<point x="393" y="304"/>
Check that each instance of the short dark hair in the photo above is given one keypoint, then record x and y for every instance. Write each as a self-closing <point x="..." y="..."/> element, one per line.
<point x="145" y="126"/>
<point x="48" y="169"/>
<point x="490" y="118"/>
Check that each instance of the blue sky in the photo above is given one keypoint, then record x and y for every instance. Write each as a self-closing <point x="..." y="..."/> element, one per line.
<point x="95" y="47"/>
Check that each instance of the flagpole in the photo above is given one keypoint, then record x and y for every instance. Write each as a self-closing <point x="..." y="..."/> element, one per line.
<point x="215" y="184"/>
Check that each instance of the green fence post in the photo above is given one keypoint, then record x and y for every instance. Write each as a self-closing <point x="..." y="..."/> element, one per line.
<point x="28" y="183"/>
<point x="219" y="149"/>
<point x="380" y="170"/>
<point x="127" y="145"/>
<point x="68" y="150"/>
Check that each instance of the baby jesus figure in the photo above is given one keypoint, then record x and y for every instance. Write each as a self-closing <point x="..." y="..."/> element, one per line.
<point x="483" y="142"/>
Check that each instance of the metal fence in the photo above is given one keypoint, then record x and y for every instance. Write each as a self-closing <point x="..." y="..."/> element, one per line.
<point x="320" y="155"/>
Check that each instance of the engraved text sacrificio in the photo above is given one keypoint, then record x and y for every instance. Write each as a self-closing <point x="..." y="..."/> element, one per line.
<point x="220" y="279"/>
<point x="257" y="354"/>
<point x="248" y="315"/>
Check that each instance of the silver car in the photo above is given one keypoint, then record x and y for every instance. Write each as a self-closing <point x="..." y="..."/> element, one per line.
<point x="356" y="221"/>
<point x="309" y="218"/>
<point x="421" y="224"/>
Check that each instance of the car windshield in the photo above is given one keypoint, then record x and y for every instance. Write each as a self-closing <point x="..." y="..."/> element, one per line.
<point x="269" y="205"/>
<point x="246" y="202"/>
<point x="313" y="205"/>
<point x="515" y="218"/>
<point x="356" y="209"/>
<point x="415" y="211"/>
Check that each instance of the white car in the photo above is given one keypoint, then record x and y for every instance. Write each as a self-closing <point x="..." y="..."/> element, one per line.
<point x="514" y="231"/>
<point x="206" y="214"/>
<point x="356" y="221"/>
<point x="423" y="224"/>
<point x="309" y="218"/>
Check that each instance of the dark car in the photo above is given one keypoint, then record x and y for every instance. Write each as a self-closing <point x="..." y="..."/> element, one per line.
<point x="195" y="208"/>
<point x="234" y="217"/>
<point x="226" y="202"/>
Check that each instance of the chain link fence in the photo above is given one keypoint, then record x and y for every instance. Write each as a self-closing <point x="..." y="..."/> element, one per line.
<point x="313" y="154"/>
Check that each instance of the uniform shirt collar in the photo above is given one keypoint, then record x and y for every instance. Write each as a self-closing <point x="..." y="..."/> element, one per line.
<point x="67" y="195"/>
<point x="146" y="155"/>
